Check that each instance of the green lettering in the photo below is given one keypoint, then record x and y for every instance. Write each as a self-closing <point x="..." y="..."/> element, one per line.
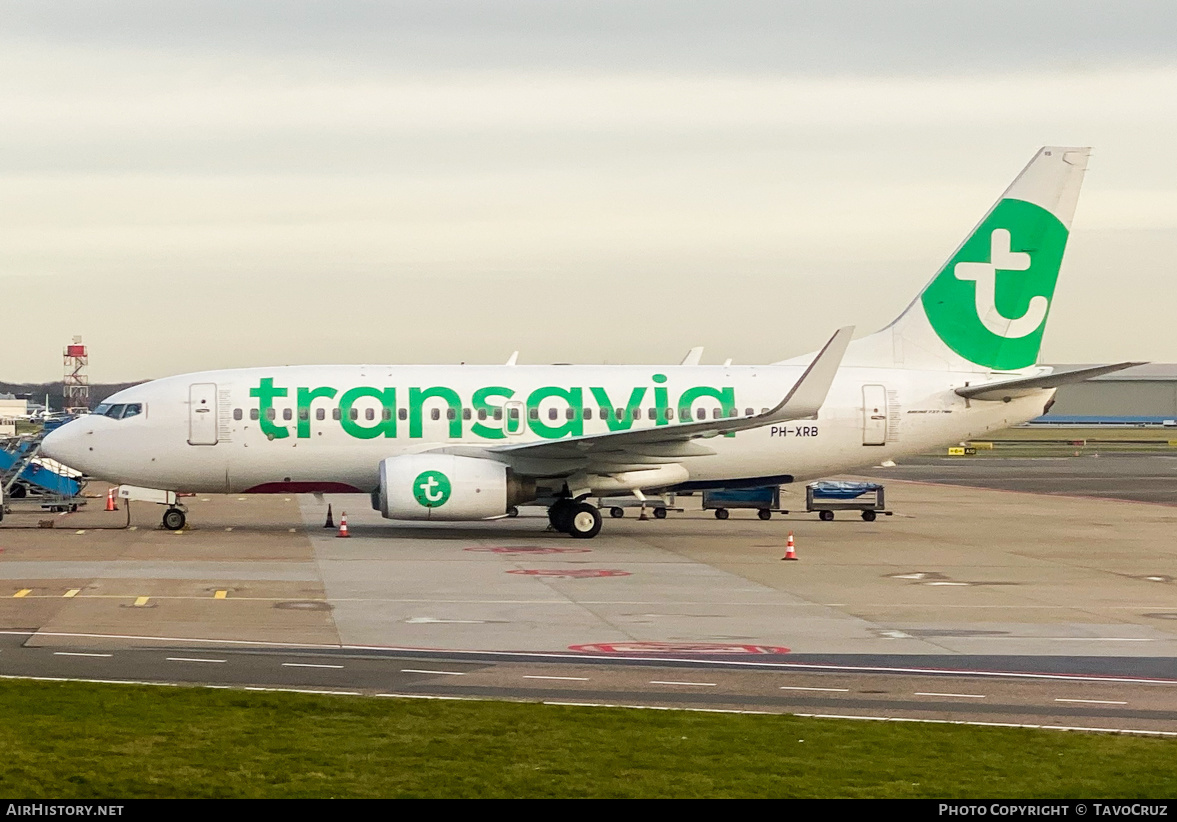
<point x="726" y="397"/>
<point x="417" y="398"/>
<point x="479" y="401"/>
<point x="306" y="396"/>
<point x="660" y="400"/>
<point x="572" y="427"/>
<point x="265" y="393"/>
<point x="386" y="425"/>
<point x="635" y="400"/>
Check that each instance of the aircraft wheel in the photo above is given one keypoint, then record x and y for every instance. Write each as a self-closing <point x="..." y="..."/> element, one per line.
<point x="721" y="513"/>
<point x="868" y="516"/>
<point x="584" y="521"/>
<point x="764" y="513"/>
<point x="659" y="513"/>
<point x="826" y="516"/>
<point x="512" y="511"/>
<point x="559" y="515"/>
<point x="174" y="519"/>
<point x="617" y="513"/>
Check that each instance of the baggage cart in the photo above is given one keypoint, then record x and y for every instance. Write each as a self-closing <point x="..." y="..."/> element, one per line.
<point x="829" y="496"/>
<point x="764" y="499"/>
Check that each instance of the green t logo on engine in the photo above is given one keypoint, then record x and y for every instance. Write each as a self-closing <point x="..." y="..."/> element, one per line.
<point x="431" y="488"/>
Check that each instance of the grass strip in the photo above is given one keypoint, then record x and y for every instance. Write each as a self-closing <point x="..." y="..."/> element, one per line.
<point x="83" y="741"/>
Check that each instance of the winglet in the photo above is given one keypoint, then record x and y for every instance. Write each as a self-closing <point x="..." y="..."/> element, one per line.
<point x="514" y="358"/>
<point x="808" y="394"/>
<point x="694" y="356"/>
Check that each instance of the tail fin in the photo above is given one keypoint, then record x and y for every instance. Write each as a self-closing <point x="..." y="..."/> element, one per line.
<point x="987" y="307"/>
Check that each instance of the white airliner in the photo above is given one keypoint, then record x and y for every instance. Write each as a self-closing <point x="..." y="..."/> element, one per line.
<point x="470" y="442"/>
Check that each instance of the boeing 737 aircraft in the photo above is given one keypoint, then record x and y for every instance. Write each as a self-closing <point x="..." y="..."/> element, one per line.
<point x="470" y="442"/>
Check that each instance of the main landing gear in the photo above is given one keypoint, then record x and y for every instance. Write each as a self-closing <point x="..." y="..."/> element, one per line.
<point x="577" y="519"/>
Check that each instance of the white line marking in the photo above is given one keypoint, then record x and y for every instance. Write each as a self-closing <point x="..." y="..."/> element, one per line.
<point x="1136" y="731"/>
<point x="78" y="653"/>
<point x="799" y="688"/>
<point x="418" y="671"/>
<point x="307" y="665"/>
<point x="961" y="696"/>
<point x="725" y="663"/>
<point x="431" y="696"/>
<point x="671" y="682"/>
<point x="563" y="678"/>
<point x="190" y="659"/>
<point x="1093" y="701"/>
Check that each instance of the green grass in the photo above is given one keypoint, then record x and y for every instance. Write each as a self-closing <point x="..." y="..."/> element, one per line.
<point x="78" y="741"/>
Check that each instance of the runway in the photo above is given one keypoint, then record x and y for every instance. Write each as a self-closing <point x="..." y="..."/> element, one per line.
<point x="1062" y="597"/>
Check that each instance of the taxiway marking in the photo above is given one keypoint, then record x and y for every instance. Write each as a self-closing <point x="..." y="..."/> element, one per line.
<point x="419" y="671"/>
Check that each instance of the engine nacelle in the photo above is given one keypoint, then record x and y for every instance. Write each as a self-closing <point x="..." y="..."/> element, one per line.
<point x="446" y="487"/>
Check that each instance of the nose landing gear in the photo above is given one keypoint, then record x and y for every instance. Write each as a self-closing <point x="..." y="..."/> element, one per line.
<point x="174" y="519"/>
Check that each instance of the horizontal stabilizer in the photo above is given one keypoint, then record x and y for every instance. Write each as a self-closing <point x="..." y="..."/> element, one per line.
<point x="1012" y="389"/>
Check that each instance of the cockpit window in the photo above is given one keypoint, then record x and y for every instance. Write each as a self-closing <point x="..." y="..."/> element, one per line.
<point x="119" y="411"/>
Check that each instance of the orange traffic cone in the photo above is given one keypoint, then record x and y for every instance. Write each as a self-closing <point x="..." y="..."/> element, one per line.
<point x="110" y="504"/>
<point x="343" y="525"/>
<point x="790" y="548"/>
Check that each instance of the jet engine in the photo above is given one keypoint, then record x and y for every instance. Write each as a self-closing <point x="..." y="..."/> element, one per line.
<point x="447" y="487"/>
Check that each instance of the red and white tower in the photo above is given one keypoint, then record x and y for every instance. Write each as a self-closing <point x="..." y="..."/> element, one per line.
<point x="76" y="383"/>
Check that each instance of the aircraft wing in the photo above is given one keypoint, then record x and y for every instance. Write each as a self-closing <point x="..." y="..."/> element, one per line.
<point x="668" y="442"/>
<point x="1012" y="389"/>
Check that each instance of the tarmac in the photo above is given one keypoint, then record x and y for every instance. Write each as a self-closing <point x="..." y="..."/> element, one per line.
<point x="958" y="571"/>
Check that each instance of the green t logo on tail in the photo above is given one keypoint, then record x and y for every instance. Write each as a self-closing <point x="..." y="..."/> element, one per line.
<point x="990" y="302"/>
<point x="431" y="488"/>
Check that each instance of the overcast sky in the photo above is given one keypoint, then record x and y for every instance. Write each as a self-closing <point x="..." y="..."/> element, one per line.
<point x="217" y="184"/>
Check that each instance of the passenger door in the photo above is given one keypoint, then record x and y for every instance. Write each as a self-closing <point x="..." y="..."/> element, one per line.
<point x="874" y="415"/>
<point x="202" y="414"/>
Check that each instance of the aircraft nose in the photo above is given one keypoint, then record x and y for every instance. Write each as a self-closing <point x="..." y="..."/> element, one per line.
<point x="64" y="445"/>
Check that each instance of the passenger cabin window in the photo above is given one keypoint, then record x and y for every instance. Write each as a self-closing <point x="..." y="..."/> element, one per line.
<point x="336" y="414"/>
<point x="700" y="413"/>
<point x="237" y="414"/>
<point x="320" y="414"/>
<point x="253" y="414"/>
<point x="287" y="414"/>
<point x="588" y="413"/>
<point x="435" y="414"/>
<point x="552" y="413"/>
<point x="271" y="414"/>
<point x="467" y="413"/>
<point x="481" y="413"/>
<point x="354" y="414"/>
<point x="304" y="413"/>
<point x="451" y="414"/>
<point x="570" y="413"/>
<point x="386" y="414"/>
<point x="402" y="413"/>
<point x="533" y="413"/>
<point x="637" y="413"/>
<point x="369" y="414"/>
